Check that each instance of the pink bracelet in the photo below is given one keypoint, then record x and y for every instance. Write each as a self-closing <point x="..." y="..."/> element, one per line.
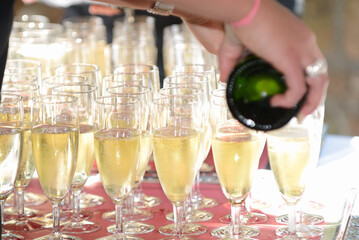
<point x="247" y="19"/>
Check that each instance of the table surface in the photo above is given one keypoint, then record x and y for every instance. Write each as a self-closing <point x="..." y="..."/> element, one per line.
<point x="334" y="148"/>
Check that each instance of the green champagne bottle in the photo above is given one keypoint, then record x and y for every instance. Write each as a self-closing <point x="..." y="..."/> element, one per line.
<point x="250" y="87"/>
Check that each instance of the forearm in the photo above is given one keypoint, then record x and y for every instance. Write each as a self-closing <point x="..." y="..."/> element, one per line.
<point x="222" y="10"/>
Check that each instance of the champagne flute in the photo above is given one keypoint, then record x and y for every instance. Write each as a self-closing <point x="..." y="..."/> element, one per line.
<point x="236" y="153"/>
<point x="293" y="155"/>
<point x="193" y="214"/>
<point x="207" y="70"/>
<point x="55" y="136"/>
<point x="149" y="71"/>
<point x="112" y="80"/>
<point x="177" y="124"/>
<point x="247" y="217"/>
<point x="23" y="70"/>
<point x="24" y="67"/>
<point x="11" y="138"/>
<point x="90" y="71"/>
<point x="151" y="80"/>
<point x="21" y="221"/>
<point x="129" y="78"/>
<point x="196" y="200"/>
<point x="52" y="81"/>
<point x="307" y="220"/>
<point x="117" y="147"/>
<point x="131" y="89"/>
<point x="93" y="75"/>
<point x="22" y="78"/>
<point x="86" y="96"/>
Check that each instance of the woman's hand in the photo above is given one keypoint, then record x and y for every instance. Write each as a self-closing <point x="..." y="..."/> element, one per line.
<point x="280" y="38"/>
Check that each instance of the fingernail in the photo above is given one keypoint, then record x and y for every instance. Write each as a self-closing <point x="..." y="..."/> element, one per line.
<point x="300" y="117"/>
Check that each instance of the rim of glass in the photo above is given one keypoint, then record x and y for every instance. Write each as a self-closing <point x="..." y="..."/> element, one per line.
<point x="91" y="88"/>
<point x="132" y="100"/>
<point x="28" y="87"/>
<point x="65" y="76"/>
<point x="144" y="89"/>
<point x="207" y="67"/>
<point x="16" y="97"/>
<point x="24" y="76"/>
<point x="68" y="99"/>
<point x="198" y="91"/>
<point x="132" y="69"/>
<point x="111" y="76"/>
<point x="21" y="61"/>
<point x="161" y="100"/>
<point x="202" y="79"/>
<point x="95" y="67"/>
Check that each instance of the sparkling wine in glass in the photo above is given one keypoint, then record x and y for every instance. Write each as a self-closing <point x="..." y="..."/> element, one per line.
<point x="177" y="123"/>
<point x="151" y="79"/>
<point x="293" y="155"/>
<point x="11" y="138"/>
<point x="55" y="138"/>
<point x="236" y="153"/>
<point x="92" y="73"/>
<point x="86" y="95"/>
<point x="193" y="213"/>
<point x="144" y="95"/>
<point x="117" y="148"/>
<point x="20" y="217"/>
<point x="196" y="200"/>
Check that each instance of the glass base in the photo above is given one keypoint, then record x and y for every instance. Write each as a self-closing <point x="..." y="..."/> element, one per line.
<point x="207" y="202"/>
<point x="67" y="215"/>
<point x="30" y="200"/>
<point x="178" y="238"/>
<point x="137" y="215"/>
<point x="119" y="237"/>
<point x="194" y="216"/>
<point x="246" y="219"/>
<point x="145" y="201"/>
<point x="226" y="232"/>
<point x="80" y="227"/>
<point x="59" y="236"/>
<point x="91" y="200"/>
<point x="11" y="213"/>
<point x="188" y="229"/>
<point x="303" y="231"/>
<point x="134" y="228"/>
<point x="205" y="167"/>
<point x="22" y="225"/>
<point x="10" y="236"/>
<point x="308" y="219"/>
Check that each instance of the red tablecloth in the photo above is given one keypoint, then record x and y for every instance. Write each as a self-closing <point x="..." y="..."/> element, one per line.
<point x="267" y="230"/>
<point x="153" y="189"/>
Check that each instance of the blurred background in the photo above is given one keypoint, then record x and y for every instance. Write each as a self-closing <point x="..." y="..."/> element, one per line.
<point x="335" y="23"/>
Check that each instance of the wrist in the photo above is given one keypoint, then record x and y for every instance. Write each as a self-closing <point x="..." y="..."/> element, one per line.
<point x="160" y="8"/>
<point x="249" y="17"/>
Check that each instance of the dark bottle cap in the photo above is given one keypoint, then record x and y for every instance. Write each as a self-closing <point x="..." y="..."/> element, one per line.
<point x="249" y="90"/>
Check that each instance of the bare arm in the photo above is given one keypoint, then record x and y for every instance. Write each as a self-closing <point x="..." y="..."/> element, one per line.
<point x="274" y="34"/>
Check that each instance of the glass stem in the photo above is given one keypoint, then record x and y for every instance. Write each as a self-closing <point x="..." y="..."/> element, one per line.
<point x="197" y="192"/>
<point x="178" y="215"/>
<point x="292" y="220"/>
<point x="119" y="230"/>
<point x="19" y="195"/>
<point x="67" y="202"/>
<point x="76" y="195"/>
<point x="130" y="201"/>
<point x="139" y="193"/>
<point x="236" y="209"/>
<point x="56" y="218"/>
<point x="2" y="203"/>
